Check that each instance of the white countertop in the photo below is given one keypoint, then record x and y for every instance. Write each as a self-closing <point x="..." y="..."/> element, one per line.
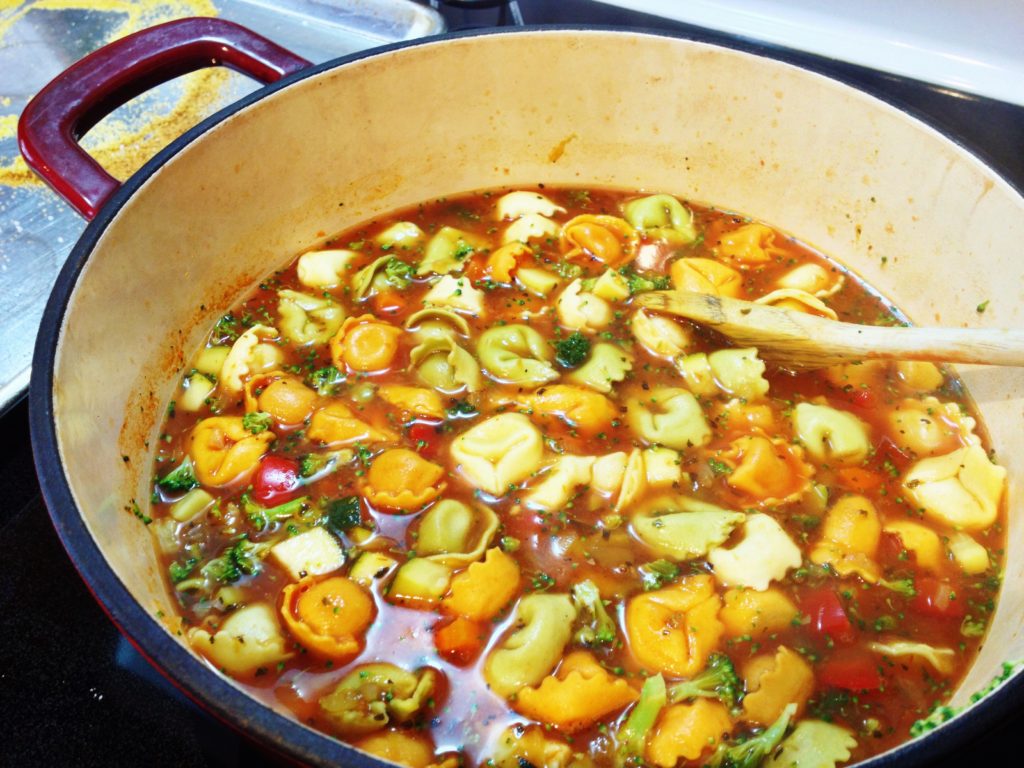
<point x="968" y="45"/>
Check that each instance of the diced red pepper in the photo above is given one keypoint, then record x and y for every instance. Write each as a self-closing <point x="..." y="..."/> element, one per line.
<point x="937" y="598"/>
<point x="426" y="439"/>
<point x="888" y="450"/>
<point x="852" y="670"/>
<point x="827" y="615"/>
<point x="864" y="398"/>
<point x="276" y="481"/>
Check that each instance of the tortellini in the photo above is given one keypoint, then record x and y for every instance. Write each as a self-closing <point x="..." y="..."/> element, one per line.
<point x="650" y="468"/>
<point x="516" y="354"/>
<point x="797" y="301"/>
<point x="684" y="528"/>
<point x="659" y="335"/>
<point x="813" y="279"/>
<point x="942" y="659"/>
<point x="457" y="293"/>
<point x="830" y="435"/>
<point x="662" y="216"/>
<point x="752" y="244"/>
<point x="532" y="651"/>
<point x="447" y="251"/>
<point x="402" y="479"/>
<point x="530" y="226"/>
<point x="328" y="617"/>
<point x="325" y="269"/>
<point x="849" y="538"/>
<point x="497" y="453"/>
<point x="455" y="534"/>
<point x="734" y="372"/>
<point x="442" y="364"/>
<point x="308" y="319"/>
<point x="607" y="366"/>
<point x="365" y="344"/>
<point x="765" y="554"/>
<point x="515" y="205"/>
<point x="668" y="416"/>
<point x="284" y="397"/>
<point x="928" y="427"/>
<point x="336" y="425"/>
<point x="559" y="484"/>
<point x="770" y="471"/>
<point x="250" y="354"/>
<point x="813" y="744"/>
<point x="774" y="682"/>
<point x="706" y="276"/>
<point x="962" y="489"/>
<point x="607" y="239"/>
<point x="248" y="639"/>
<point x="435" y="323"/>
<point x="401" y="234"/>
<point x="373" y="695"/>
<point x="223" y="451"/>
<point x="582" y="311"/>
<point x="586" y="411"/>
<point x="922" y="541"/>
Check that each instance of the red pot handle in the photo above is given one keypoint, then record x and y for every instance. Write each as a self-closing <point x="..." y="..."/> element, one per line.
<point x="62" y="112"/>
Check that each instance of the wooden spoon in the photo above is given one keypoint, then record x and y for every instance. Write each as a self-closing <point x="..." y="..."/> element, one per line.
<point x="801" y="341"/>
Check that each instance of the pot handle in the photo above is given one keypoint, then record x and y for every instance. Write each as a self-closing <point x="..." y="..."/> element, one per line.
<point x="63" y="111"/>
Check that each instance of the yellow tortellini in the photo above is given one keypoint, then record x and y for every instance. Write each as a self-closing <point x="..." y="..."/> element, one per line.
<point x="813" y="279"/>
<point x="515" y="205"/>
<point x="928" y="427"/>
<point x="499" y="452"/>
<point x="962" y="489"/>
<point x="308" y="319"/>
<point x="457" y="293"/>
<point x="442" y="364"/>
<point x="830" y="435"/>
<point x="607" y="366"/>
<point x="684" y="528"/>
<point x="922" y="541"/>
<point x="765" y="554"/>
<point x="401" y="234"/>
<point x="797" y="301"/>
<point x="734" y="372"/>
<point x="530" y="226"/>
<point x="668" y="416"/>
<point x="448" y="250"/>
<point x="248" y="639"/>
<point x="325" y="269"/>
<point x="559" y="483"/>
<point x="250" y="354"/>
<point x="849" y="538"/>
<point x="662" y="216"/>
<point x="659" y="335"/>
<point x="455" y="534"/>
<point x="582" y="311"/>
<point x="532" y="651"/>
<point x="516" y="354"/>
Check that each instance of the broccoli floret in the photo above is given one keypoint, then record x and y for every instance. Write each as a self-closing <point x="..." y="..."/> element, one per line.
<point x="326" y="380"/>
<point x="567" y="270"/>
<point x="344" y="513"/>
<point x="656" y="574"/>
<point x="313" y="466"/>
<point x="180" y="571"/>
<point x="904" y="587"/>
<point x="632" y="735"/>
<point x="600" y="629"/>
<point x="639" y="283"/>
<point x="752" y="752"/>
<point x="261" y="517"/>
<point x="718" y="680"/>
<point x="257" y="421"/>
<point x="398" y="273"/>
<point x="572" y="351"/>
<point x="181" y="478"/>
<point x="460" y="409"/>
<point x="243" y="558"/>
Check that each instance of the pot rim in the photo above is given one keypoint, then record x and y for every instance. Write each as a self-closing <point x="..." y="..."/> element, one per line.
<point x="188" y="673"/>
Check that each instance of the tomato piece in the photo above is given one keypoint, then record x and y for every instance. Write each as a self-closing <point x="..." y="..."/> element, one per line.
<point x="276" y="481"/>
<point x="827" y="615"/>
<point x="426" y="439"/>
<point x="852" y="670"/>
<point x="937" y="598"/>
<point x="859" y="480"/>
<point x="888" y="450"/>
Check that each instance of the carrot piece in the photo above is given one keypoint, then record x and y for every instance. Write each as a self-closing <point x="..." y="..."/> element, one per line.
<point x="859" y="480"/>
<point x="460" y="641"/>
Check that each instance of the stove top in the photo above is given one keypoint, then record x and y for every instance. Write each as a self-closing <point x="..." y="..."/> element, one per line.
<point x="74" y="692"/>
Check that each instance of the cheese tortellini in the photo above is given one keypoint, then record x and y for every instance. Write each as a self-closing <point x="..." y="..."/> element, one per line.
<point x="582" y="311"/>
<point x="766" y="554"/>
<point x="668" y="416"/>
<point x="325" y="269"/>
<point x="559" y="483"/>
<point x="455" y="534"/>
<point x="441" y="363"/>
<point x="684" y="528"/>
<point x="308" y="319"/>
<point x="531" y="652"/>
<point x="962" y="489"/>
<point x="734" y="372"/>
<point x="659" y="335"/>
<point x="830" y="435"/>
<point x="607" y="366"/>
<point x="662" y="216"/>
<point x="516" y="354"/>
<point x="250" y="354"/>
<point x="248" y="639"/>
<point x="497" y="453"/>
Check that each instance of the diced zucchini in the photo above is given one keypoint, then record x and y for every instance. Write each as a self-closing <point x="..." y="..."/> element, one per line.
<point x="420" y="581"/>
<point x="197" y="388"/>
<point x="312" y="553"/>
<point x="662" y="467"/>
<point x="611" y="286"/>
<point x="191" y="504"/>
<point x="370" y="567"/>
<point x="538" y="281"/>
<point x="211" y="360"/>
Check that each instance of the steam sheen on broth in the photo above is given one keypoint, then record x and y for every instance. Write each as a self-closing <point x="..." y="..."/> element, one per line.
<point x="440" y="490"/>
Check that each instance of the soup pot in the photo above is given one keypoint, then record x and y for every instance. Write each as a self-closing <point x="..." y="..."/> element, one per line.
<point x="327" y="147"/>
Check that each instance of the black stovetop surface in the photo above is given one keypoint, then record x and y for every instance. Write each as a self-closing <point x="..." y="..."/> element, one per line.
<point x="73" y="691"/>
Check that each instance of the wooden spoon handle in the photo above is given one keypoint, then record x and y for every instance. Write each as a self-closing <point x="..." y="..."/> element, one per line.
<point x="802" y="340"/>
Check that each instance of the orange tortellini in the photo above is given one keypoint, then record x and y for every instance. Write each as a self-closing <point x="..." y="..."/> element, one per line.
<point x="365" y="344"/>
<point x="223" y="451"/>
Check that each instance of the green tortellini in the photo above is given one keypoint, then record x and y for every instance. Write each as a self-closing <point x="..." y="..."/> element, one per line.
<point x="435" y="322"/>
<point x="447" y="251"/>
<point x="530" y="653"/>
<point x="516" y="354"/>
<point x="831" y="435"/>
<point x="441" y="363"/>
<point x="734" y="372"/>
<point x="668" y="416"/>
<point x="385" y="272"/>
<point x="373" y="695"/>
<point x="662" y="216"/>
<point x="684" y="528"/>
<point x="308" y="319"/>
<point x="608" y="365"/>
<point x="455" y="534"/>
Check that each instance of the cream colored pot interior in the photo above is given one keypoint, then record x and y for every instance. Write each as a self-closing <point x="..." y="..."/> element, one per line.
<point x="923" y="221"/>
